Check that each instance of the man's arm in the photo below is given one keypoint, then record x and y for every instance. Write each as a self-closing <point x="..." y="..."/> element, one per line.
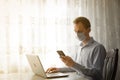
<point x="97" y="60"/>
<point x="66" y="69"/>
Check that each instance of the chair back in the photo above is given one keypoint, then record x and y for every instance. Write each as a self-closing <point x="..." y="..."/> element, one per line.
<point x="110" y="65"/>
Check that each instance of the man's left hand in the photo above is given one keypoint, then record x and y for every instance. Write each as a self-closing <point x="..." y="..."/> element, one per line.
<point x="68" y="61"/>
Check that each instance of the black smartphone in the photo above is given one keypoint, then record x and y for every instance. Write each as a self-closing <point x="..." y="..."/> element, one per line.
<point x="61" y="53"/>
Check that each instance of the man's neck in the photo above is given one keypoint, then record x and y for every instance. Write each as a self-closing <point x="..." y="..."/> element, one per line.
<point x="86" y="40"/>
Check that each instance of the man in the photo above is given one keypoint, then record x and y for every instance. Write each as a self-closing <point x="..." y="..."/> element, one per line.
<point x="90" y="57"/>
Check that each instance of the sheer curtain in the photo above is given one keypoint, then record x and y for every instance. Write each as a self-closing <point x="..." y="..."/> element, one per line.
<point x="43" y="26"/>
<point x="34" y="27"/>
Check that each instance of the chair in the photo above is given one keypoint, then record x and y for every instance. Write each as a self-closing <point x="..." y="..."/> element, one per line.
<point x="110" y="65"/>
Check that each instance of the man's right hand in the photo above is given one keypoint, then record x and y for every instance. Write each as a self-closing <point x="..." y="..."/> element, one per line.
<point x="52" y="70"/>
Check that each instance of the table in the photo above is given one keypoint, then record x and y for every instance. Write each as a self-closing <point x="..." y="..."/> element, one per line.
<point x="31" y="76"/>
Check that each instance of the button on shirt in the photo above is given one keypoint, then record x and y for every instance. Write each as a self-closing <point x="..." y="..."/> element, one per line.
<point x="89" y="60"/>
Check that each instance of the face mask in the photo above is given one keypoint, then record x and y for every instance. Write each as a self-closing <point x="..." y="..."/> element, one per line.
<point x="81" y="36"/>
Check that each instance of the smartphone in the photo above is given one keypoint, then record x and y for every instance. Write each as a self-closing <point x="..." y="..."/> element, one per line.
<point x="61" y="53"/>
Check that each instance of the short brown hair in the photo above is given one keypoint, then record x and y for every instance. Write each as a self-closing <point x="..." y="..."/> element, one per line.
<point x="84" y="21"/>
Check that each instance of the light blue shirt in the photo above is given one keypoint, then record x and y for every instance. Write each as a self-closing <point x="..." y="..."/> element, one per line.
<point x="89" y="60"/>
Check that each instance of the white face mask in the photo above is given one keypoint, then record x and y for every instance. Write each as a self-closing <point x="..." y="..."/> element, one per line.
<point x="81" y="36"/>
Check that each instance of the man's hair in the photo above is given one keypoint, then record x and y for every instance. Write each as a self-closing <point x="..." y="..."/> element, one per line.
<point x="84" y="21"/>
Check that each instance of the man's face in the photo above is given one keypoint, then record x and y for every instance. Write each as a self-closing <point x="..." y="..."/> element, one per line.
<point x="79" y="28"/>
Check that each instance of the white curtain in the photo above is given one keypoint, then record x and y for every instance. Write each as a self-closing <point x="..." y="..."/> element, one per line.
<point x="43" y="26"/>
<point x="34" y="27"/>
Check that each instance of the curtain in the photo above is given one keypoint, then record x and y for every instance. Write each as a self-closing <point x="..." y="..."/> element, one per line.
<point x="34" y="27"/>
<point x="44" y="26"/>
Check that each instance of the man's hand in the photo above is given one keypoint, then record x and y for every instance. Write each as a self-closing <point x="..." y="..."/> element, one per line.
<point x="52" y="70"/>
<point x="68" y="61"/>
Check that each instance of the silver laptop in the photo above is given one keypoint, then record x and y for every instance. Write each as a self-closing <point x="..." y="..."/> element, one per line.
<point x="38" y="69"/>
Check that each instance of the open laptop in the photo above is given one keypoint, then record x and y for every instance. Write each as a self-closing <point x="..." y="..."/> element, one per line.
<point x="38" y="69"/>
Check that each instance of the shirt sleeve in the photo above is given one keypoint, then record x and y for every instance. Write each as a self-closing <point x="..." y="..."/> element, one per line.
<point x="97" y="60"/>
<point x="66" y="69"/>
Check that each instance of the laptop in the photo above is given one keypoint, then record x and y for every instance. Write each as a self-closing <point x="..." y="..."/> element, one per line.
<point x="38" y="69"/>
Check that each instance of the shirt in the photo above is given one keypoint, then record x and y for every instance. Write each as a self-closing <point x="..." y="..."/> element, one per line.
<point x="89" y="60"/>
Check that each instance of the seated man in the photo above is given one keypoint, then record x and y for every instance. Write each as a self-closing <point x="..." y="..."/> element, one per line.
<point x="90" y="57"/>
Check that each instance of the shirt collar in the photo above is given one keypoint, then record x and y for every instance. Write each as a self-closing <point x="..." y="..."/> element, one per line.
<point x="88" y="43"/>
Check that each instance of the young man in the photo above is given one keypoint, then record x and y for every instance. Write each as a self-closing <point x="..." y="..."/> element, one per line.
<point x="90" y="56"/>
